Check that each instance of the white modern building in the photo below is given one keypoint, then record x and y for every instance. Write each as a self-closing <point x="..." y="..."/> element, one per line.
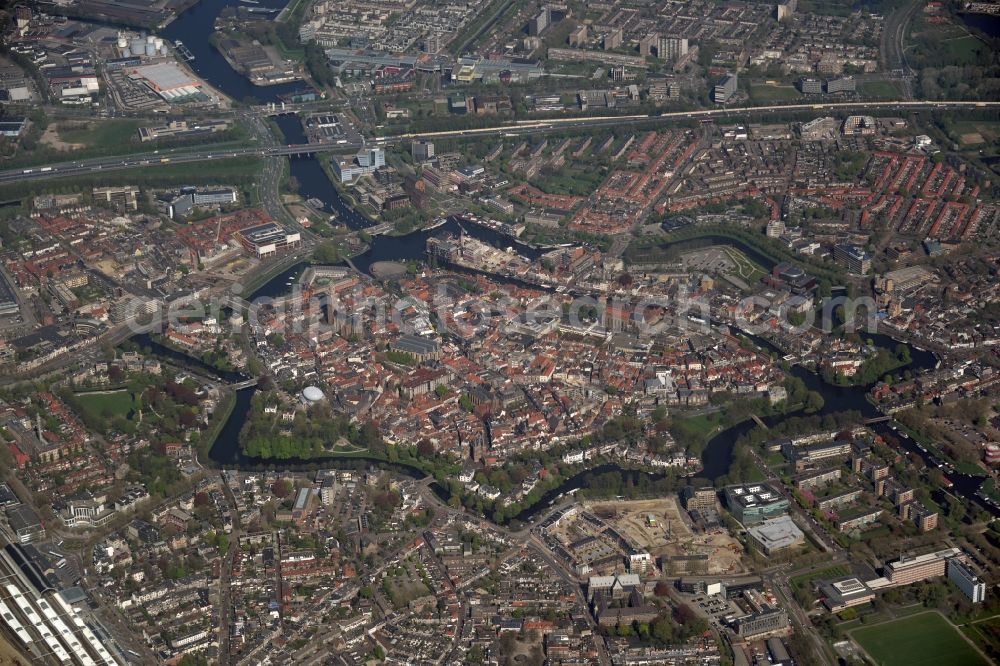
<point x="776" y="534"/>
<point x="365" y="163"/>
<point x="967" y="580"/>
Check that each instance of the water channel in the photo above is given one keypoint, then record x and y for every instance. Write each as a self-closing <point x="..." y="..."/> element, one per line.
<point x="195" y="26"/>
<point x="716" y="457"/>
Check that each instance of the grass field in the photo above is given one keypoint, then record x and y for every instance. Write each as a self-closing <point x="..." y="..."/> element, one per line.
<point x="921" y="640"/>
<point x="65" y="140"/>
<point x="986" y="635"/>
<point x="952" y="44"/>
<point x="107" y="133"/>
<point x="830" y="572"/>
<point x="962" y="49"/>
<point x="886" y="89"/>
<point x="745" y="268"/>
<point x="118" y="403"/>
<point x="771" y="93"/>
<point x="705" y="424"/>
<point x="236" y="170"/>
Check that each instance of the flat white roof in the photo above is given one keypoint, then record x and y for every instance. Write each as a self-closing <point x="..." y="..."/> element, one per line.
<point x="165" y="76"/>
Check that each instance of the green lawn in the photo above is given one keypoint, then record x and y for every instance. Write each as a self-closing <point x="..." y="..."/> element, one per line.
<point x="823" y="574"/>
<point x="745" y="269"/>
<point x="704" y="424"/>
<point x="775" y="459"/>
<point x="107" y="133"/>
<point x="986" y="635"/>
<point x="233" y="170"/>
<point x="962" y="49"/>
<point x="921" y="640"/>
<point x="991" y="490"/>
<point x="771" y="93"/>
<point x="887" y="89"/>
<point x="118" y="403"/>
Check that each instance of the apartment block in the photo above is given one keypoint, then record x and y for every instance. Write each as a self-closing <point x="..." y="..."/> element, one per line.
<point x="699" y="498"/>
<point x="858" y="519"/>
<point x="840" y="499"/>
<point x="671" y="48"/>
<point x="810" y="86"/>
<point x="811" y="480"/>
<point x="874" y="470"/>
<point x="854" y="258"/>
<point x="894" y="491"/>
<point x="725" y="89"/>
<point x="924" y="518"/>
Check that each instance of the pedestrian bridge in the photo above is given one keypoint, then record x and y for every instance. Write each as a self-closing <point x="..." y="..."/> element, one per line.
<point x="244" y="384"/>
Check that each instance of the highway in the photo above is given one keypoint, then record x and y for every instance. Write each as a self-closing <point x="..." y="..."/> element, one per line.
<point x="517" y="128"/>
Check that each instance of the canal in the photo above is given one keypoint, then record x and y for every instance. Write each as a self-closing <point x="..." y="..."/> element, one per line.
<point x="313" y="181"/>
<point x="411" y="247"/>
<point x="716" y="457"/>
<point x="315" y="184"/>
<point x="718" y="454"/>
<point x="195" y="26"/>
<point x="989" y="24"/>
<point x="179" y="358"/>
<point x="719" y="451"/>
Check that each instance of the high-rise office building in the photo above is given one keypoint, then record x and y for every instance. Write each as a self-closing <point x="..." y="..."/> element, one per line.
<point x="810" y="86"/>
<point x="725" y="89"/>
<point x="540" y="22"/>
<point x="843" y="84"/>
<point x="672" y="48"/>
<point x="421" y="151"/>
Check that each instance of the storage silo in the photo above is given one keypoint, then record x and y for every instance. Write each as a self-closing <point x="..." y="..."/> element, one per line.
<point x="150" y="49"/>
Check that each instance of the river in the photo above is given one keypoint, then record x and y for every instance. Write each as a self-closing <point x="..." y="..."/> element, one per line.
<point x="313" y="181"/>
<point x="719" y="452"/>
<point x="989" y="24"/>
<point x="314" y="184"/>
<point x="186" y="360"/>
<point x="195" y="26"/>
<point x="717" y="456"/>
<point x="411" y="247"/>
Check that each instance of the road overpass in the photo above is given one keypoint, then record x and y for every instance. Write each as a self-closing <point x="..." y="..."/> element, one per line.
<point x="510" y="129"/>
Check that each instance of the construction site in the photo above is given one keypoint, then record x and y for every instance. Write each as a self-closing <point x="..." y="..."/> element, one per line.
<point x="661" y="528"/>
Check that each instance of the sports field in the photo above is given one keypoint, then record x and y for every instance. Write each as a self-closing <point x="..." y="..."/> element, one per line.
<point x="117" y="403"/>
<point x="926" y="639"/>
<point x="770" y="93"/>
